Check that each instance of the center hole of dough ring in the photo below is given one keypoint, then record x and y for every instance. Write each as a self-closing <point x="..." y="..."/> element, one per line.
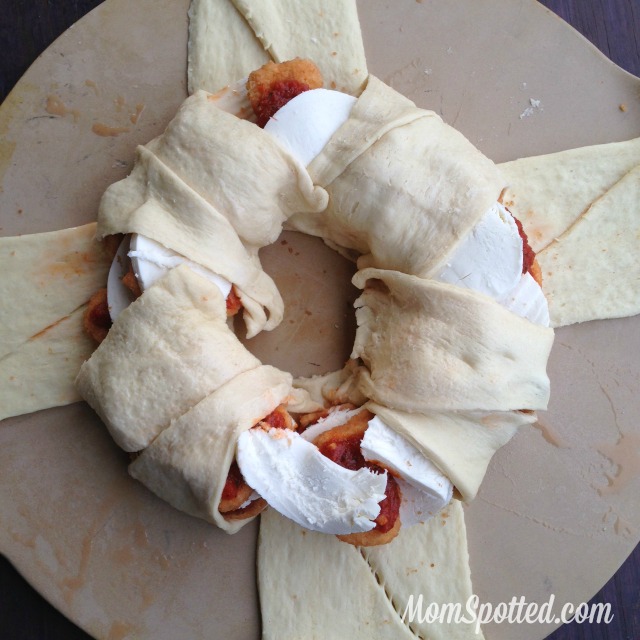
<point x="317" y="332"/>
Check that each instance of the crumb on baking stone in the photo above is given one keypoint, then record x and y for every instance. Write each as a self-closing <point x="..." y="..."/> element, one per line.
<point x="534" y="105"/>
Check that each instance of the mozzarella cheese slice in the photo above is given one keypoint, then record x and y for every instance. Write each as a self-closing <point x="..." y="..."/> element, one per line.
<point x="119" y="297"/>
<point x="528" y="301"/>
<point x="305" y="124"/>
<point x="425" y="490"/>
<point x="383" y="445"/>
<point x="489" y="258"/>
<point x="252" y="498"/>
<point x="298" y="481"/>
<point x="417" y="506"/>
<point x="151" y="261"/>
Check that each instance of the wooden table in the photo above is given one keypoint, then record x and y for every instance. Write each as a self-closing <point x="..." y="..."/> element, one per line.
<point x="27" y="28"/>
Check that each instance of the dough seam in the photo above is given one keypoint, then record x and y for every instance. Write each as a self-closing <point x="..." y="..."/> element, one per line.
<point x="586" y="211"/>
<point x="36" y="336"/>
<point x="379" y="581"/>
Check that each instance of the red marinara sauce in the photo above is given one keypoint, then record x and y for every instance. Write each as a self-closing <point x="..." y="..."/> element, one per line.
<point x="234" y="304"/>
<point x="278" y="419"/>
<point x="97" y="319"/>
<point x="279" y="93"/>
<point x="346" y="452"/>
<point x="528" y="254"/>
<point x="234" y="482"/>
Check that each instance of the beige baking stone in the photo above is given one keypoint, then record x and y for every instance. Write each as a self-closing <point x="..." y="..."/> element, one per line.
<point x="558" y="511"/>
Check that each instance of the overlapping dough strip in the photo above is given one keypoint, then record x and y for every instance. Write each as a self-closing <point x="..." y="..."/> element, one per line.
<point x="47" y="280"/>
<point x="600" y="252"/>
<point x="314" y="587"/>
<point x="580" y="208"/>
<point x="429" y="346"/>
<point x="188" y="463"/>
<point x="230" y="38"/>
<point x="165" y="352"/>
<point x="40" y="372"/>
<point x="172" y="381"/>
<point x="190" y="191"/>
<point x="334" y="40"/>
<point x="222" y="46"/>
<point x="460" y="443"/>
<point x="404" y="186"/>
<point x="549" y="193"/>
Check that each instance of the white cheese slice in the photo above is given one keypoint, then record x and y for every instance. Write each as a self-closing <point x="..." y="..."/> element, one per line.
<point x="252" y="498"/>
<point x="489" y="259"/>
<point x="417" y="506"/>
<point x="298" y="481"/>
<point x="151" y="261"/>
<point x="119" y="297"/>
<point x="383" y="445"/>
<point x="528" y="301"/>
<point x="304" y="125"/>
<point x="335" y="418"/>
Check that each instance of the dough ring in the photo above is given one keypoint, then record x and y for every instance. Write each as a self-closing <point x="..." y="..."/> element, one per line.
<point x="444" y="371"/>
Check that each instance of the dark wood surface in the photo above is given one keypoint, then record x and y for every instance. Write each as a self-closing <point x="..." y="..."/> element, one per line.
<point x="27" y="27"/>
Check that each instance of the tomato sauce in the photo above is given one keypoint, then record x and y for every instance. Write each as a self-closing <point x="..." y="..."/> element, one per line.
<point x="278" y="419"/>
<point x="233" y="483"/>
<point x="234" y="303"/>
<point x="279" y="93"/>
<point x="528" y="254"/>
<point x="97" y="319"/>
<point x="346" y="452"/>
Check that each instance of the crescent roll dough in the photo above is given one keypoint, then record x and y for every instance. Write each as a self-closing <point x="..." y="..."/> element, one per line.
<point x="165" y="353"/>
<point x="222" y="46"/>
<point x="172" y="380"/>
<point x="433" y="346"/>
<point x="47" y="280"/>
<point x="549" y="193"/>
<point x="404" y="186"/>
<point x="230" y="38"/>
<point x="313" y="587"/>
<point x="460" y="443"/>
<point x="188" y="463"/>
<point x="189" y="191"/>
